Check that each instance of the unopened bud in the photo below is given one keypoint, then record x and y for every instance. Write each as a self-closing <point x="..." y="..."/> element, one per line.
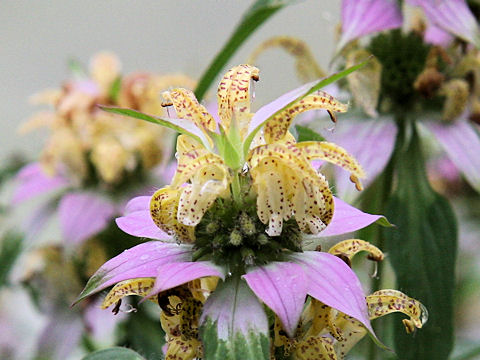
<point x="235" y="238"/>
<point x="262" y="239"/>
<point x="212" y="227"/>
<point x="247" y="224"/>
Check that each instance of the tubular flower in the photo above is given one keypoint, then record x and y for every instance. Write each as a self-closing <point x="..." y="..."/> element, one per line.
<point x="91" y="148"/>
<point x="202" y="175"/>
<point x="444" y="79"/>
<point x="232" y="220"/>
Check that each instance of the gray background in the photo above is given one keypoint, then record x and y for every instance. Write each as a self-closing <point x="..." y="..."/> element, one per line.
<point x="37" y="37"/>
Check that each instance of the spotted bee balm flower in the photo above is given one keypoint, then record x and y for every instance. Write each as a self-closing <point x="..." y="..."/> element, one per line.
<point x="230" y="227"/>
<point x="89" y="151"/>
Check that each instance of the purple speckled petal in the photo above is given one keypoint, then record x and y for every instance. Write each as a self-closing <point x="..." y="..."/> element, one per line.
<point x="462" y="145"/>
<point x="347" y="219"/>
<point x="138" y="222"/>
<point x="332" y="282"/>
<point x="453" y="16"/>
<point x="140" y="261"/>
<point x="436" y="36"/>
<point x="83" y="215"/>
<point x="236" y="314"/>
<point x="282" y="286"/>
<point x="178" y="273"/>
<point x="32" y="181"/>
<point x="363" y="17"/>
<point x="370" y="142"/>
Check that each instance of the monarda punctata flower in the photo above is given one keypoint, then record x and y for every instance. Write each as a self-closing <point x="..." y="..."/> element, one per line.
<point x="230" y="228"/>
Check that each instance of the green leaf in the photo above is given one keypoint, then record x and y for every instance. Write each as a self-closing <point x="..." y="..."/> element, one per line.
<point x="234" y="324"/>
<point x="422" y="249"/>
<point x="306" y="134"/>
<point x="115" y="88"/>
<point x="145" y="334"/>
<point x="180" y="125"/>
<point x="10" y="248"/>
<point x="116" y="353"/>
<point x="255" y="16"/>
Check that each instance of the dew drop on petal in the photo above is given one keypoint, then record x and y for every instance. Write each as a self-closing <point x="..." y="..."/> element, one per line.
<point x="144" y="257"/>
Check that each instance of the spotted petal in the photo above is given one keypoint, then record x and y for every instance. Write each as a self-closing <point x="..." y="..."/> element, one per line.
<point x="363" y="17"/>
<point x="233" y="96"/>
<point x="282" y="286"/>
<point x="83" y="215"/>
<point x="33" y="181"/>
<point x="276" y="128"/>
<point x="453" y="16"/>
<point x="137" y="220"/>
<point x="322" y="150"/>
<point x="462" y="145"/>
<point x="141" y="261"/>
<point x="347" y="219"/>
<point x="332" y="282"/>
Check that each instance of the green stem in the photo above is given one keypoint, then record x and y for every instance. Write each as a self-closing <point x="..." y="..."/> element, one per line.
<point x="236" y="189"/>
<point x="382" y="190"/>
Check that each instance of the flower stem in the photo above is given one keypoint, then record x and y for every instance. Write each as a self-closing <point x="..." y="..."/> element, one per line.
<point x="236" y="189"/>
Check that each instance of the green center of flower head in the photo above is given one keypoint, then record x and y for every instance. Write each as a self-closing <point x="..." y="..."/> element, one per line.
<point x="232" y="234"/>
<point x="403" y="58"/>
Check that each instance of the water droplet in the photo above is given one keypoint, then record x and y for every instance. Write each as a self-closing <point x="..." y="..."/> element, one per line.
<point x="144" y="257"/>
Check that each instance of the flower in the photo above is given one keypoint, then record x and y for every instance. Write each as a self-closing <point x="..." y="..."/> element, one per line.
<point x="372" y="141"/>
<point x="231" y="222"/>
<point x="90" y="151"/>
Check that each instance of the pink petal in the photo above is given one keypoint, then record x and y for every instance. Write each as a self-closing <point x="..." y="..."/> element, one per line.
<point x="332" y="282"/>
<point x="38" y="219"/>
<point x="436" y="36"/>
<point x="138" y="222"/>
<point x="282" y="286"/>
<point x="60" y="337"/>
<point x="363" y="17"/>
<point x="83" y="215"/>
<point x="453" y="16"/>
<point x="235" y="312"/>
<point x="462" y="145"/>
<point x="99" y="323"/>
<point x="371" y="142"/>
<point x="140" y="261"/>
<point x="33" y="181"/>
<point x="347" y="219"/>
<point x="174" y="274"/>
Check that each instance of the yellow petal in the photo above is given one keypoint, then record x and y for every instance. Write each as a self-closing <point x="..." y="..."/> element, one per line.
<point x="336" y="155"/>
<point x="353" y="332"/>
<point x="322" y="318"/>
<point x="305" y="64"/>
<point x="349" y="248"/>
<point x="185" y="144"/>
<point x="365" y="83"/>
<point x="456" y="92"/>
<point x="105" y="68"/>
<point x="385" y="302"/>
<point x="164" y="209"/>
<point x="110" y="159"/>
<point x="314" y="348"/>
<point x="307" y="194"/>
<point x="276" y="128"/>
<point x="140" y="287"/>
<point x="209" y="182"/>
<point x="40" y="119"/>
<point x="192" y="162"/>
<point x="179" y="349"/>
<point x="233" y="96"/>
<point x="187" y="107"/>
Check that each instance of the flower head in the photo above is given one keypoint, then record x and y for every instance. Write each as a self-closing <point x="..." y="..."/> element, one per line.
<point x="242" y="196"/>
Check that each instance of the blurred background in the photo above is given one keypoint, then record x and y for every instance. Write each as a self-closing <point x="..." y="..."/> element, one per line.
<point x="37" y="39"/>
